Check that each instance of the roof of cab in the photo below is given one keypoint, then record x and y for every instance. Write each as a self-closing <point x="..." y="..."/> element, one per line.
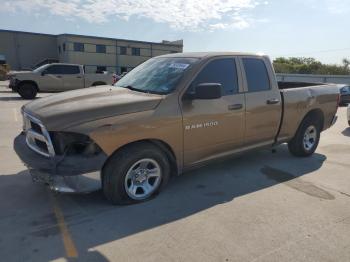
<point x="210" y="54"/>
<point x="65" y="64"/>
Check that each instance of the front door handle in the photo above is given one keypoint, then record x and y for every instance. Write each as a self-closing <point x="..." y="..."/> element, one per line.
<point x="235" y="107"/>
<point x="78" y="76"/>
<point x="272" y="101"/>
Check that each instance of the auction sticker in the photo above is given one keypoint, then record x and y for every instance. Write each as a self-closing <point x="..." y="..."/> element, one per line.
<point x="178" y="66"/>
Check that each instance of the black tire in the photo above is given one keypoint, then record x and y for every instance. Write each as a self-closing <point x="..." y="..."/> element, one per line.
<point x="27" y="91"/>
<point x="115" y="171"/>
<point x="297" y="146"/>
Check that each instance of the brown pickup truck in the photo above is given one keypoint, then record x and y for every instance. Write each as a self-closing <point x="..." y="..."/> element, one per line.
<point x="170" y="114"/>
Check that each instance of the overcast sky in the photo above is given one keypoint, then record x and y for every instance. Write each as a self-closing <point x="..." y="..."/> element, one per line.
<point x="313" y="28"/>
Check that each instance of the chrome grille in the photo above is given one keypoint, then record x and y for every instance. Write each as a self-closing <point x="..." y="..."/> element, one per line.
<point x="37" y="137"/>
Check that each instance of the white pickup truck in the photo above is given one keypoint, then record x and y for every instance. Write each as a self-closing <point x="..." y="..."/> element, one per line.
<point x="54" y="78"/>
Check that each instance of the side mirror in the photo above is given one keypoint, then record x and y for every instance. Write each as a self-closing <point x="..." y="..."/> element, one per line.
<point x="208" y="91"/>
<point x="43" y="73"/>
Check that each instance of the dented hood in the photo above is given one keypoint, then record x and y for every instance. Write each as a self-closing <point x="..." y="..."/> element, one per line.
<point x="66" y="109"/>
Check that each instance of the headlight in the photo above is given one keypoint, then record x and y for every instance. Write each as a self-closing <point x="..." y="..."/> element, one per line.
<point x="74" y="143"/>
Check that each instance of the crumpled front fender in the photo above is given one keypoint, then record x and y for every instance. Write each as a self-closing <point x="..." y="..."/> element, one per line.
<point x="71" y="173"/>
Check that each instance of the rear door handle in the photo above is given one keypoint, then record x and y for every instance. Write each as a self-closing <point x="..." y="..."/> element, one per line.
<point x="235" y="107"/>
<point x="59" y="76"/>
<point x="272" y="101"/>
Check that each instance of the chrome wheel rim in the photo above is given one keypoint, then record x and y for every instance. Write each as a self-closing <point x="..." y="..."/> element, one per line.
<point x="310" y="138"/>
<point x="142" y="179"/>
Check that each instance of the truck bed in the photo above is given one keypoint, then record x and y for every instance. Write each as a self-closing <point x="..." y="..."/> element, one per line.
<point x="299" y="98"/>
<point x="287" y="85"/>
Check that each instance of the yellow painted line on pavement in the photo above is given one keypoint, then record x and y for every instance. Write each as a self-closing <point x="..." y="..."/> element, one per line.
<point x="15" y="114"/>
<point x="68" y="242"/>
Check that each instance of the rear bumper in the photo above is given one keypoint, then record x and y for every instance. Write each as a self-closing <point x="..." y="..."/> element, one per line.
<point x="66" y="174"/>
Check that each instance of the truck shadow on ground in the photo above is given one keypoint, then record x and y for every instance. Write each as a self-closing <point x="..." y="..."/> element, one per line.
<point x="12" y="98"/>
<point x="92" y="221"/>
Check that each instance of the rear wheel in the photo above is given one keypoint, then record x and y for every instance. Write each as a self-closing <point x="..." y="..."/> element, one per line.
<point x="135" y="174"/>
<point x="306" y="139"/>
<point x="27" y="91"/>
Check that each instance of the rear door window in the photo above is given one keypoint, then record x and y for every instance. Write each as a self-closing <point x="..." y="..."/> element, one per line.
<point x="63" y="70"/>
<point x="53" y="70"/>
<point x="221" y="71"/>
<point x="70" y="70"/>
<point x="256" y="74"/>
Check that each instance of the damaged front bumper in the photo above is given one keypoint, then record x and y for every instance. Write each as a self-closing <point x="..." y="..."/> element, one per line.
<point x="68" y="174"/>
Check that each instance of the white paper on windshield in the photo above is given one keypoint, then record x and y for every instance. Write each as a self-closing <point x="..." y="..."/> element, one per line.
<point x="179" y="66"/>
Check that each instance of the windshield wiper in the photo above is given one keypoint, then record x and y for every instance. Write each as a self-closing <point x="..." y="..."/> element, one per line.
<point x="135" y="89"/>
<point x="142" y="90"/>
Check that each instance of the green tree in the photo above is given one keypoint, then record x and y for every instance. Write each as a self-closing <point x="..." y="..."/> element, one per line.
<point x="346" y="63"/>
<point x="309" y="65"/>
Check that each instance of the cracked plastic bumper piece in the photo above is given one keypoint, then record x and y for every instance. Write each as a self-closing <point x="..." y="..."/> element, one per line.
<point x="66" y="174"/>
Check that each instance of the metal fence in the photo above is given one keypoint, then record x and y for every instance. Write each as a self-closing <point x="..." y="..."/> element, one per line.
<point x="337" y="79"/>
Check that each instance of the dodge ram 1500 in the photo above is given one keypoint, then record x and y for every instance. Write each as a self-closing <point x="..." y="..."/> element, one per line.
<point x="170" y="114"/>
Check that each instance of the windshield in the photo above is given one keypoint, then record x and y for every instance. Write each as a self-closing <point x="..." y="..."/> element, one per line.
<point x="345" y="89"/>
<point x="157" y="75"/>
<point x="39" y="69"/>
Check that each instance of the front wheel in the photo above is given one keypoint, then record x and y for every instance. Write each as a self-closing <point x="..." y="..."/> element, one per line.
<point x="135" y="174"/>
<point x="27" y="91"/>
<point x="306" y="139"/>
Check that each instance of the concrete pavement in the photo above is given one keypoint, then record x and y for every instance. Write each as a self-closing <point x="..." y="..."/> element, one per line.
<point x="257" y="207"/>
